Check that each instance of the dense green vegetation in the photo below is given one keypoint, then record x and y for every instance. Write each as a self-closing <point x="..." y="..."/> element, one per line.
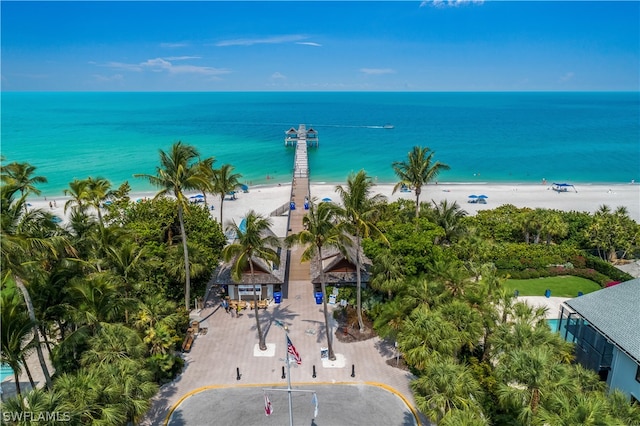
<point x="560" y="286"/>
<point x="101" y="295"/>
<point x="106" y="297"/>
<point x="479" y="356"/>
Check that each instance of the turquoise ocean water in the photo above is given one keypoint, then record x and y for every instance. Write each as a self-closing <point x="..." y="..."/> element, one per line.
<point x="484" y="137"/>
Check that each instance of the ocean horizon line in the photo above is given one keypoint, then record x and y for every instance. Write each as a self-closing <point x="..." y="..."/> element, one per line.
<point x="320" y="91"/>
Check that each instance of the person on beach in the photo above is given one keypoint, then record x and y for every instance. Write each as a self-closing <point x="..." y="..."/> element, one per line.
<point x="50" y="205"/>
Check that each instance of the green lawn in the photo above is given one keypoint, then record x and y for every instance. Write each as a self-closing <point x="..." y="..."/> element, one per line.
<point x="561" y="286"/>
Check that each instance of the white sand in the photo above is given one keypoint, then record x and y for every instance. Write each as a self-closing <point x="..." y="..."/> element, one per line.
<point x="265" y="199"/>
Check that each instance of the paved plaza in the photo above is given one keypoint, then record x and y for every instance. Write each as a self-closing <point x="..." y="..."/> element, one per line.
<point x="202" y="394"/>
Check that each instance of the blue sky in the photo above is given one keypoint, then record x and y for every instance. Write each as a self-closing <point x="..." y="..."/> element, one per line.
<point x="320" y="46"/>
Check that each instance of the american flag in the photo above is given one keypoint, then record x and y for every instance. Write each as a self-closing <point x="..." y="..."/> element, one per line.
<point x="293" y="352"/>
<point x="268" y="410"/>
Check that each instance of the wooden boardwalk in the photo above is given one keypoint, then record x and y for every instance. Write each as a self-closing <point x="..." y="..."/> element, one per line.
<point x="300" y="194"/>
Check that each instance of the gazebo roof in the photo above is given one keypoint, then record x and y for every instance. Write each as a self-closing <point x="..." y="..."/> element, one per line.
<point x="339" y="268"/>
<point x="263" y="272"/>
<point x="613" y="312"/>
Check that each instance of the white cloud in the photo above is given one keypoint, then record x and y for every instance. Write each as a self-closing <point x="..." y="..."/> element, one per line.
<point x="265" y="40"/>
<point x="568" y="76"/>
<point x="309" y="43"/>
<point x="108" y="78"/>
<point x="278" y="76"/>
<point x="123" y="66"/>
<point x="377" y="71"/>
<point x="450" y="3"/>
<point x="165" y="65"/>
<point x="173" y="45"/>
<point x="181" y="58"/>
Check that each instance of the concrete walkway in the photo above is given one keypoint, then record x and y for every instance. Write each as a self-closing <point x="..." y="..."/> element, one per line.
<point x="230" y="344"/>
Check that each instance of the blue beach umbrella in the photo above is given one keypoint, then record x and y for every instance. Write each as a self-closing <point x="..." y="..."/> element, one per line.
<point x="326" y="200"/>
<point x="473" y="196"/>
<point x="244" y="187"/>
<point x="482" y="196"/>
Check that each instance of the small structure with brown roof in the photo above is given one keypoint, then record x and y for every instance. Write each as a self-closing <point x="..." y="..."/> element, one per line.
<point x="267" y="278"/>
<point x="340" y="267"/>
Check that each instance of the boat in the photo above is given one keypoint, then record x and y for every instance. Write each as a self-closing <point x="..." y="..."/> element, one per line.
<point x="388" y="126"/>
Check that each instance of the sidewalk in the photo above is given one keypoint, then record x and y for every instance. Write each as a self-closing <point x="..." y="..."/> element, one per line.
<point x="230" y="345"/>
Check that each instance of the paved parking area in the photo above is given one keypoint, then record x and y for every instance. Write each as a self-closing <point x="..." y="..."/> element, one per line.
<point x="338" y="404"/>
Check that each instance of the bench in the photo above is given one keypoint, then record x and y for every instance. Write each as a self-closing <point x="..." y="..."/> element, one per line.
<point x="262" y="304"/>
<point x="234" y="304"/>
<point x="188" y="341"/>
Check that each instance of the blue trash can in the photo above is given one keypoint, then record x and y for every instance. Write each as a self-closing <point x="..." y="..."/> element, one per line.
<point x="306" y="206"/>
<point x="277" y="296"/>
<point x="292" y="205"/>
<point x="318" y="298"/>
<point x="547" y="293"/>
<point x="580" y="293"/>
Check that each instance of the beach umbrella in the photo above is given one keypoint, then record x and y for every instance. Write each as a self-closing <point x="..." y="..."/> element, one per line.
<point x="473" y="196"/>
<point x="482" y="196"/>
<point x="244" y="187"/>
<point x="326" y="200"/>
<point x="198" y="196"/>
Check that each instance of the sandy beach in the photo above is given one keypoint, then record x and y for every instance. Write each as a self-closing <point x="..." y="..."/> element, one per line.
<point x="266" y="199"/>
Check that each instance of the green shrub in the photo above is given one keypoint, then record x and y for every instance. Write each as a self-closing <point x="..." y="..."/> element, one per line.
<point x="605" y="268"/>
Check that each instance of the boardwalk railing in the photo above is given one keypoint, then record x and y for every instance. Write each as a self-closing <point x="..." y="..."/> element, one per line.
<point x="280" y="210"/>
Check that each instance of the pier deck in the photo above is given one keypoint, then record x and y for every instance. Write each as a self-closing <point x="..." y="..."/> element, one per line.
<point x="300" y="194"/>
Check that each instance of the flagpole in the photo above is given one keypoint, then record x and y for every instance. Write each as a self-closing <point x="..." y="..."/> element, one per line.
<point x="286" y="347"/>
<point x="286" y="359"/>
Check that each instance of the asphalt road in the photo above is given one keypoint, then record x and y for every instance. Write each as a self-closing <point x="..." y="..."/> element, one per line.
<point x="338" y="405"/>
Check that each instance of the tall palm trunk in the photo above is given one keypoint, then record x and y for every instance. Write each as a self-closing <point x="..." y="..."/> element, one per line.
<point x="418" y="191"/>
<point x="359" y="285"/>
<point x="221" y="203"/>
<point x="36" y="333"/>
<point x="26" y="369"/>
<point x="18" y="390"/>
<point x="262" y="344"/>
<point x="187" y="269"/>
<point x="323" y="285"/>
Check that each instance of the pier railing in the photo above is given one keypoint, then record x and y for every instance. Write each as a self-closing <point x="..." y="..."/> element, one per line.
<point x="281" y="210"/>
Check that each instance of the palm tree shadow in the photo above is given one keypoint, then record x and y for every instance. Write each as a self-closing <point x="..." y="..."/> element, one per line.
<point x="268" y="316"/>
<point x="386" y="348"/>
<point x="319" y="330"/>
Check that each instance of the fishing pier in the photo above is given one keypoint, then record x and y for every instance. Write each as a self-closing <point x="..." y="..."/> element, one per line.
<point x="300" y="194"/>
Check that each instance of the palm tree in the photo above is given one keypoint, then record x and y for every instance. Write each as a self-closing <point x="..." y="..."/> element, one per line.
<point x="448" y="217"/>
<point x="179" y="171"/>
<point x="20" y="176"/>
<point x="19" y="248"/>
<point x="256" y="241"/>
<point x="78" y="195"/>
<point x="387" y="273"/>
<point x="359" y="210"/>
<point x="16" y="333"/>
<point x="445" y="386"/>
<point x="529" y="377"/>
<point x="224" y="181"/>
<point x="417" y="171"/>
<point x="98" y="191"/>
<point x="320" y="230"/>
<point x="124" y="260"/>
